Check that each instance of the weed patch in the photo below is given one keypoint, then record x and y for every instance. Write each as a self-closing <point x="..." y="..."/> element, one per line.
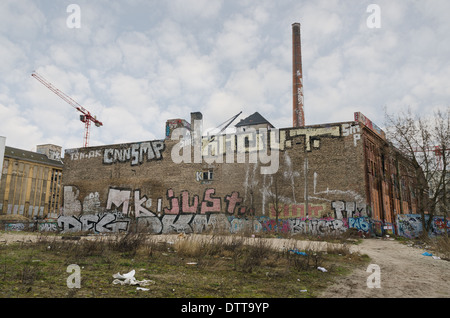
<point x="204" y="266"/>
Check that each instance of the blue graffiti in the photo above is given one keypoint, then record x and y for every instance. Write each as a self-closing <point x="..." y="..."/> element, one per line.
<point x="361" y="224"/>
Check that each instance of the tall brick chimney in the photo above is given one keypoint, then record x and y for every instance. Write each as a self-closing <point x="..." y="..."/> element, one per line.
<point x="297" y="77"/>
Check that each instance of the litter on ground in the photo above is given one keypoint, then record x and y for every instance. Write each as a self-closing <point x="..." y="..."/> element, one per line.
<point x="129" y="279"/>
<point x="296" y="251"/>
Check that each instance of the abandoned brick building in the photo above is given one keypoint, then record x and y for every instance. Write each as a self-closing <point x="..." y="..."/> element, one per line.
<point x="322" y="178"/>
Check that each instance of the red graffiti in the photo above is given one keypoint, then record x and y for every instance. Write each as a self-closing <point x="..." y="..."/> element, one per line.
<point x="210" y="204"/>
<point x="185" y="207"/>
<point x="174" y="205"/>
<point x="233" y="200"/>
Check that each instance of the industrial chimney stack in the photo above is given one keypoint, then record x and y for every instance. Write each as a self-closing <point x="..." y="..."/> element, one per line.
<point x="297" y="76"/>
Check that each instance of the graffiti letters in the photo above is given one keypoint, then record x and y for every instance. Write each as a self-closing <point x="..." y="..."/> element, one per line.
<point x="348" y="129"/>
<point x="287" y="211"/>
<point x="80" y="155"/>
<point x="343" y="209"/>
<point x="99" y="223"/>
<point x="317" y="226"/>
<point x="410" y="225"/>
<point x="184" y="223"/>
<point x="134" y="153"/>
<point x="361" y="224"/>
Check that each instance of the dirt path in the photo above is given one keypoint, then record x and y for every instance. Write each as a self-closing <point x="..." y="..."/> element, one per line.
<point x="404" y="273"/>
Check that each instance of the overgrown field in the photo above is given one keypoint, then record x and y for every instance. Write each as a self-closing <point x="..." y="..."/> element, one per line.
<point x="217" y="267"/>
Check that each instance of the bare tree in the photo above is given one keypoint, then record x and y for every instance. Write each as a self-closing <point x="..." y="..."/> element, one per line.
<point x="425" y="142"/>
<point x="278" y="193"/>
<point x="442" y="133"/>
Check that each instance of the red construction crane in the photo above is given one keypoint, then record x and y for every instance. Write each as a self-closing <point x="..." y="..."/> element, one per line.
<point x="86" y="118"/>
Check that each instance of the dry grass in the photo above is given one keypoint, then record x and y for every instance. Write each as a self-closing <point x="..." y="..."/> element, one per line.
<point x="441" y="245"/>
<point x="207" y="266"/>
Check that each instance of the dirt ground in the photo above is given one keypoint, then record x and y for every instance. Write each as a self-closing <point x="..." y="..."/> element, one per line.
<point x="404" y="271"/>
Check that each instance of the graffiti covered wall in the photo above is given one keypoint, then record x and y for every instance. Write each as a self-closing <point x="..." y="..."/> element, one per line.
<point x="410" y="225"/>
<point x="129" y="210"/>
<point x="318" y="186"/>
<point x="116" y="222"/>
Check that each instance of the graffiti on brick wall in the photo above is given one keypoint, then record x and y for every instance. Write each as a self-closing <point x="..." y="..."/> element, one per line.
<point x="91" y="203"/>
<point x="210" y="203"/>
<point x="173" y="124"/>
<point x="353" y="130"/>
<point x="118" y="199"/>
<point x="410" y="225"/>
<point x="111" y="222"/>
<point x="289" y="211"/>
<point x="343" y="209"/>
<point x="134" y="204"/>
<point x="362" y="224"/>
<point x="136" y="153"/>
<point x="48" y="227"/>
<point x="71" y="203"/>
<point x="184" y="223"/>
<point x="441" y="226"/>
<point x="304" y="226"/>
<point x="77" y="154"/>
<point x="239" y="225"/>
<point x="17" y="226"/>
<point x="121" y="198"/>
<point x="312" y="136"/>
<point x="326" y="226"/>
<point x="115" y="221"/>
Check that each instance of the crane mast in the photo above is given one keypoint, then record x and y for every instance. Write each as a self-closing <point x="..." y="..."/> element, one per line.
<point x="86" y="116"/>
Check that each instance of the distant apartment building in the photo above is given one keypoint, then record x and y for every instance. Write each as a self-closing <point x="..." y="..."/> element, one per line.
<point x="30" y="183"/>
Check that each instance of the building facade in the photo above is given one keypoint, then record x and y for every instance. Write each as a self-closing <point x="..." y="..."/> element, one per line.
<point x="313" y="179"/>
<point x="30" y="183"/>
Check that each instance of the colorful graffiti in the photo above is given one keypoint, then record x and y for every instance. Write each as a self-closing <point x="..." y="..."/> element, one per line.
<point x="289" y="211"/>
<point x="116" y="221"/>
<point x="361" y="224"/>
<point x="410" y="225"/>
<point x="132" y="203"/>
<point x="129" y="209"/>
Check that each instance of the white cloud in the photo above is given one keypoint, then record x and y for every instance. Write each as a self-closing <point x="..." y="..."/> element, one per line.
<point x="19" y="132"/>
<point x="21" y="20"/>
<point x="135" y="65"/>
<point x="195" y="9"/>
<point x="239" y="42"/>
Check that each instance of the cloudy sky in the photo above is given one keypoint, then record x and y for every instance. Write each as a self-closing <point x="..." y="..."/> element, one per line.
<point x="137" y="63"/>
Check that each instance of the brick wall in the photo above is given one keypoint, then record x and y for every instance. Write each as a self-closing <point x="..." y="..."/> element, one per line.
<point x="334" y="178"/>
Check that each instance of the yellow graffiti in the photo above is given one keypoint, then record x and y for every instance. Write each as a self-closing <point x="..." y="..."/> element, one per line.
<point x="290" y="211"/>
